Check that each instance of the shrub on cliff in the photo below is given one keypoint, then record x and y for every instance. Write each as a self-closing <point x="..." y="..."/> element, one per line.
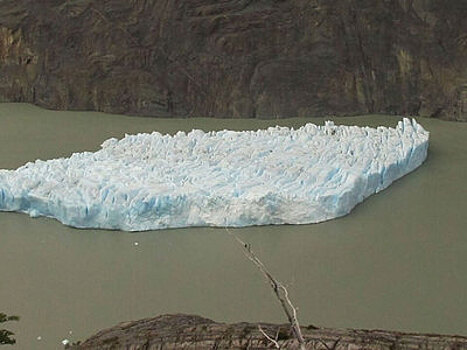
<point x="6" y="335"/>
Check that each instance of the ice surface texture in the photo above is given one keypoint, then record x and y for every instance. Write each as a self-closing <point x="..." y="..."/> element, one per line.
<point x="225" y="178"/>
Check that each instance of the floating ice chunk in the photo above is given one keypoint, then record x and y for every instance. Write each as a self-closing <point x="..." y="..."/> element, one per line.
<point x="226" y="178"/>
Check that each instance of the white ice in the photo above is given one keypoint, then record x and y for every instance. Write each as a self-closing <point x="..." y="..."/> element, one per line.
<point x="226" y="178"/>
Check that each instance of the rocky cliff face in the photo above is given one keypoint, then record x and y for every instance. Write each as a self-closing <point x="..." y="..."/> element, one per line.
<point x="237" y="58"/>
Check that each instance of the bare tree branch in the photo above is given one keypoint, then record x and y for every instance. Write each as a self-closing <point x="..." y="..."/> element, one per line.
<point x="333" y="347"/>
<point x="276" y="344"/>
<point x="279" y="290"/>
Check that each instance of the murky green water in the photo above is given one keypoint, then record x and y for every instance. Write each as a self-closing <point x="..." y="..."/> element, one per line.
<point x="398" y="261"/>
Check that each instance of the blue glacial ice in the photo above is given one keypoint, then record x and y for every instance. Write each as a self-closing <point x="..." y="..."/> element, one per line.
<point x="225" y="178"/>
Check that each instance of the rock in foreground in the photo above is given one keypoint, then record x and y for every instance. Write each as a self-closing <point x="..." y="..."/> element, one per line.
<point x="194" y="332"/>
<point x="226" y="178"/>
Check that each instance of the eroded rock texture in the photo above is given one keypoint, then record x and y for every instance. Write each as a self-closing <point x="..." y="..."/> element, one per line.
<point x="237" y="58"/>
<point x="194" y="332"/>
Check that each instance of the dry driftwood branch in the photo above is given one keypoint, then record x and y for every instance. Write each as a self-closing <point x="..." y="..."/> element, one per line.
<point x="274" y="341"/>
<point x="279" y="290"/>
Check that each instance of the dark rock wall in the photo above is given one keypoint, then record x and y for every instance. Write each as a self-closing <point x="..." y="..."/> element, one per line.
<point x="237" y="58"/>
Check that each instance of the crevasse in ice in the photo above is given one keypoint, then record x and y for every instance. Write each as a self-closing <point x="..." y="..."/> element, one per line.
<point x="225" y="178"/>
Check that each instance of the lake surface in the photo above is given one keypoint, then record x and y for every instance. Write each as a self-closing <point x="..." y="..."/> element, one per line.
<point x="398" y="261"/>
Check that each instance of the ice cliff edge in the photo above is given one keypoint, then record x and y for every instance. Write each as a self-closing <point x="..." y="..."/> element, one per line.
<point x="225" y="178"/>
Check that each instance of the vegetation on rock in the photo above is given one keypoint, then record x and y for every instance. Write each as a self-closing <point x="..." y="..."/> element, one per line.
<point x="6" y="335"/>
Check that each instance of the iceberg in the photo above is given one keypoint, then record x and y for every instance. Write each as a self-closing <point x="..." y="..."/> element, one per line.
<point x="226" y="178"/>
